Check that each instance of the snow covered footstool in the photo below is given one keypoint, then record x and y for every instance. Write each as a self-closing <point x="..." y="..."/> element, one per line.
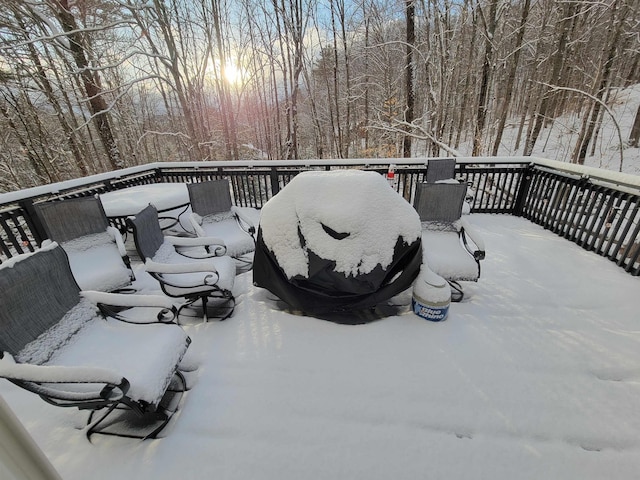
<point x="337" y="241"/>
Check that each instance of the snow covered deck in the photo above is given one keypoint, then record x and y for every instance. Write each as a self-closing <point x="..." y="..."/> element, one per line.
<point x="535" y="375"/>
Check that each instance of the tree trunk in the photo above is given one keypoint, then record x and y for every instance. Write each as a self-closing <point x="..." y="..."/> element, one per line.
<point x="91" y="82"/>
<point x="511" y="77"/>
<point x="337" y="123"/>
<point x="558" y="60"/>
<point x="410" y="99"/>
<point x="634" y="137"/>
<point x="586" y="134"/>
<point x="228" y="116"/>
<point x="483" y="97"/>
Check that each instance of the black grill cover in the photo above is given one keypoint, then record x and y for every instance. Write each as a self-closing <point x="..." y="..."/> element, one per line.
<point x="325" y="290"/>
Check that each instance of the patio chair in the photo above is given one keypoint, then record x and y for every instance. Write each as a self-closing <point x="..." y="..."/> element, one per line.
<point x="190" y="268"/>
<point x="440" y="169"/>
<point x="214" y="215"/>
<point x="96" y="250"/>
<point x="57" y="342"/>
<point x="451" y="247"/>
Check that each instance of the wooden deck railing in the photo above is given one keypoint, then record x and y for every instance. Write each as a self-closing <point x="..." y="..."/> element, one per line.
<point x="596" y="209"/>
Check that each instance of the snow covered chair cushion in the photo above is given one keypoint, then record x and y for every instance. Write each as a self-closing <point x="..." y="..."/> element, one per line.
<point x="96" y="251"/>
<point x="214" y="215"/>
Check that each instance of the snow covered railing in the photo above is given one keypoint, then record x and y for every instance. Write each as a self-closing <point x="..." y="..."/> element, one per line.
<point x="597" y="209"/>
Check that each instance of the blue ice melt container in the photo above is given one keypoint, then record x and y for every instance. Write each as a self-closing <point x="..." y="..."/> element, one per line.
<point x="431" y="296"/>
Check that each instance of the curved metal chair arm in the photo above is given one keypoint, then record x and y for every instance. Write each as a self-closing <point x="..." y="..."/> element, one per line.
<point x="206" y="281"/>
<point x="194" y="241"/>
<point x="473" y="234"/>
<point x="112" y="304"/>
<point x="217" y="251"/>
<point x="41" y="379"/>
<point x="477" y="253"/>
<point x="244" y="222"/>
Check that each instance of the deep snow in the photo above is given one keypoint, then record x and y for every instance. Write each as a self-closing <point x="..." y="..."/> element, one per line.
<point x="535" y="375"/>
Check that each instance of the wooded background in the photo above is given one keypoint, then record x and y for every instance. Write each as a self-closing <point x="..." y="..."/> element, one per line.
<point x="92" y="85"/>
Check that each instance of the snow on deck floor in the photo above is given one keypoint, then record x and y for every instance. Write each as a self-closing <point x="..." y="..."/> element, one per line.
<point x="536" y="375"/>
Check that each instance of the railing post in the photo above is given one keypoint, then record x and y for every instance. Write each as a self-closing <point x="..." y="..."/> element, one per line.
<point x="33" y="221"/>
<point x="275" y="185"/>
<point x="523" y="190"/>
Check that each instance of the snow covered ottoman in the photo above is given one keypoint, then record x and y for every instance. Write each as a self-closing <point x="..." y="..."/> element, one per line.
<point x="337" y="241"/>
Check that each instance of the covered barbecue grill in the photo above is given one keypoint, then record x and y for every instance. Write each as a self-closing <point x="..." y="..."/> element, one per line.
<point x="337" y="241"/>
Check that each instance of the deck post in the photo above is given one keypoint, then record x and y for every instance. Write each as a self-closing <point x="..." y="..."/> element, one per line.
<point x="523" y="190"/>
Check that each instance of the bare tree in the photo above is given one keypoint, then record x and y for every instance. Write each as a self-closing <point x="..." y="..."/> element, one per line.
<point x="602" y="79"/>
<point x="489" y="24"/>
<point x="634" y="136"/>
<point x="569" y="10"/>
<point x="511" y="77"/>
<point x="78" y="46"/>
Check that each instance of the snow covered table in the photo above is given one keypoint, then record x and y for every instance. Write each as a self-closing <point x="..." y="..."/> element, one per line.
<point x="170" y="199"/>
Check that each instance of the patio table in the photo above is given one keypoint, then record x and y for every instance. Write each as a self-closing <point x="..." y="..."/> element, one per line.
<point x="170" y="199"/>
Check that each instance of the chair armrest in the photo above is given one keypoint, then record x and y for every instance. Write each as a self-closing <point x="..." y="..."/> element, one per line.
<point x="195" y="221"/>
<point x="194" y="241"/>
<point x="213" y="247"/>
<point x="57" y="374"/>
<point x="126" y="300"/>
<point x="201" y="266"/>
<point x="245" y="222"/>
<point x="55" y="383"/>
<point x="115" y="233"/>
<point x="467" y="231"/>
<point x="112" y="304"/>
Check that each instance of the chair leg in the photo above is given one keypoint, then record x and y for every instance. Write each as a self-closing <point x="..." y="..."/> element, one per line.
<point x="204" y="309"/>
<point x="157" y="419"/>
<point x="227" y="301"/>
<point x="457" y="294"/>
<point x="93" y="425"/>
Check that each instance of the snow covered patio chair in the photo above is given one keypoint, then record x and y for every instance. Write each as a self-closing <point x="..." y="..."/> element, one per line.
<point x="451" y="247"/>
<point x="58" y="343"/>
<point x="214" y="215"/>
<point x="338" y="241"/>
<point x="190" y="268"/>
<point x="95" y="249"/>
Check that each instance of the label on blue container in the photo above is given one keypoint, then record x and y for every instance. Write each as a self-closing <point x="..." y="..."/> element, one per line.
<point x="434" y="314"/>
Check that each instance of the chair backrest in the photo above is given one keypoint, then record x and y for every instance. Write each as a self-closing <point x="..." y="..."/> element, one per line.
<point x="36" y="291"/>
<point x="147" y="234"/>
<point x="210" y="197"/>
<point x="440" y="169"/>
<point x="65" y="220"/>
<point x="439" y="202"/>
